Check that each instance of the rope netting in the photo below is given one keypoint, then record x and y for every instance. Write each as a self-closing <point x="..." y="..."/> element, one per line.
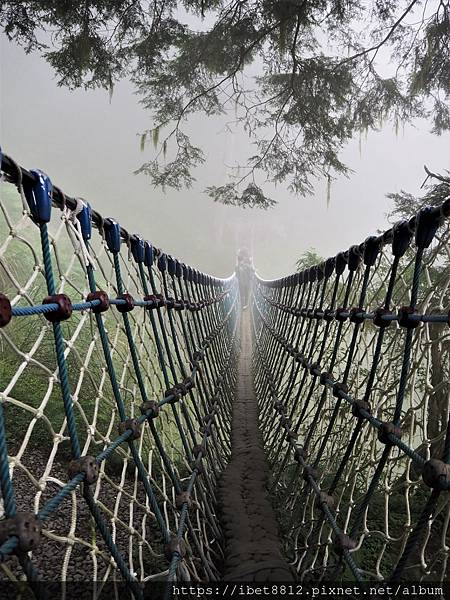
<point x="116" y="380"/>
<point x="351" y="366"/>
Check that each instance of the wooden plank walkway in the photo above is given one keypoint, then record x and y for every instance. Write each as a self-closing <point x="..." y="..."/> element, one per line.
<point x="253" y="550"/>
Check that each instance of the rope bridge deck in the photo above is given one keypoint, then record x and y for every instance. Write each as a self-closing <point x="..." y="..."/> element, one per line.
<point x="126" y="416"/>
<point x="250" y="527"/>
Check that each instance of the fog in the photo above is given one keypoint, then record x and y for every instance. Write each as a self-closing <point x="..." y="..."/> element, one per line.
<point x="89" y="145"/>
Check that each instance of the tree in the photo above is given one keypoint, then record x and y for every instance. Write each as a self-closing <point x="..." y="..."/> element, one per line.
<point x="309" y="258"/>
<point x="317" y="79"/>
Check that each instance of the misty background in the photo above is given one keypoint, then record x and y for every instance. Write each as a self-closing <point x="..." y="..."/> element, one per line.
<point x="89" y="144"/>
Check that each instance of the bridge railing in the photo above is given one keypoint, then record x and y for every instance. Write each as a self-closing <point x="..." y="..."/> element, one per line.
<point x="116" y="377"/>
<point x="352" y="375"/>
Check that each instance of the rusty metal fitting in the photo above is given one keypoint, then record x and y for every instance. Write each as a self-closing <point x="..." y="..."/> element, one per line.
<point x="285" y="421"/>
<point x="198" y="466"/>
<point x="324" y="499"/>
<point x="64" y="310"/>
<point x="339" y="389"/>
<point x="436" y="474"/>
<point x="26" y="527"/>
<point x="358" y="406"/>
<point x="198" y="356"/>
<point x="5" y="310"/>
<point x="378" y="320"/>
<point x="314" y="369"/>
<point x="206" y="430"/>
<point x="130" y="424"/>
<point x="300" y="454"/>
<point x="290" y="434"/>
<point x="325" y="376"/>
<point x="174" y="392"/>
<point x="150" y="405"/>
<point x="343" y="542"/>
<point x="299" y="358"/>
<point x="129" y="303"/>
<point x="404" y="315"/>
<point x="386" y="429"/>
<point x="282" y="409"/>
<point x="189" y="383"/>
<point x="341" y="314"/>
<point x="86" y="465"/>
<point x="328" y="315"/>
<point x="175" y="545"/>
<point x="183" y="498"/>
<point x="160" y="300"/>
<point x="170" y="302"/>
<point x="356" y="315"/>
<point x="179" y="305"/>
<point x="182" y="388"/>
<point x="198" y="449"/>
<point x="308" y="472"/>
<point x="209" y="417"/>
<point x="104" y="301"/>
<point x="153" y="301"/>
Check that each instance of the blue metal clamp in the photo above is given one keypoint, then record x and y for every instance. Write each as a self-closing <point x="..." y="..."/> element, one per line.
<point x="171" y="266"/>
<point x="427" y="223"/>
<point x="85" y="218"/>
<point x="162" y="262"/>
<point x="149" y="255"/>
<point x="137" y="248"/>
<point x="112" y="235"/>
<point x="39" y="197"/>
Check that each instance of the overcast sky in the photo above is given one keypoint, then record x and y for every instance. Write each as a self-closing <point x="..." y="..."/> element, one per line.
<point x="90" y="147"/>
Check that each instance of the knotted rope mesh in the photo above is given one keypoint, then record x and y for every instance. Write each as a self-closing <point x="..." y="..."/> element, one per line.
<point x="117" y="377"/>
<point x="115" y="397"/>
<point x="352" y="374"/>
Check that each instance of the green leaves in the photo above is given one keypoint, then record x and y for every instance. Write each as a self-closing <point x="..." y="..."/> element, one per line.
<point x="178" y="172"/>
<point x="155" y="137"/>
<point x="305" y="77"/>
<point x="309" y="258"/>
<point x="251" y="197"/>
<point x="143" y="140"/>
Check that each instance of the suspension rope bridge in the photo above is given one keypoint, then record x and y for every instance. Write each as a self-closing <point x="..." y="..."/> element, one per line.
<point x="151" y="430"/>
